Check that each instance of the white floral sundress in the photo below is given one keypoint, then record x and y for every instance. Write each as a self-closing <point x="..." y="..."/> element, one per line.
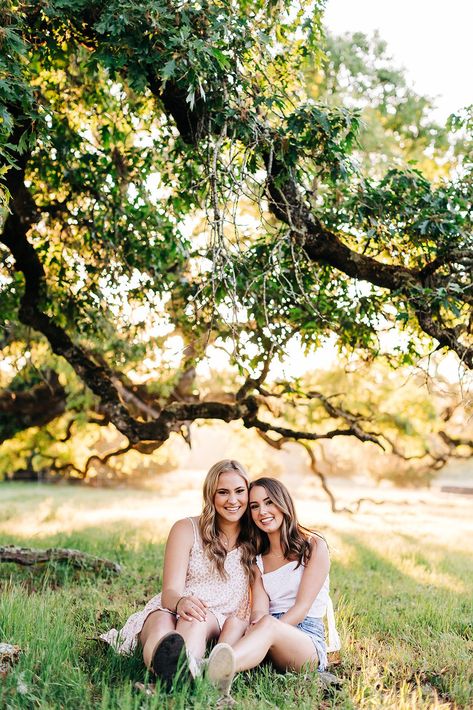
<point x="224" y="597"/>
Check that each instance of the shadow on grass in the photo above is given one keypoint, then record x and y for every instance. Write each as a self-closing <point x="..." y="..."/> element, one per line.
<point x="381" y="608"/>
<point x="394" y="597"/>
<point x="419" y="624"/>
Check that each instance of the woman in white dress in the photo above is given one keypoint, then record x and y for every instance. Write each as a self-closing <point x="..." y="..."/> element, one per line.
<point x="290" y="593"/>
<point x="205" y="592"/>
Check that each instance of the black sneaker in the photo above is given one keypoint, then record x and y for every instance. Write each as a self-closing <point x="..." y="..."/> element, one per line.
<point x="169" y="651"/>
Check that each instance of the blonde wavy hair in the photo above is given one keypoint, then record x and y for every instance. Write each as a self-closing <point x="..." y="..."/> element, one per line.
<point x="208" y="520"/>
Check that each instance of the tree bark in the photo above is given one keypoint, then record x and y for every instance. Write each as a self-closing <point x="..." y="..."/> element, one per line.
<point x="82" y="560"/>
<point x="36" y="406"/>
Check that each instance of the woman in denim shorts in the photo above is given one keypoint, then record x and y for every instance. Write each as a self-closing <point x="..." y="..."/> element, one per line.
<point x="290" y="593"/>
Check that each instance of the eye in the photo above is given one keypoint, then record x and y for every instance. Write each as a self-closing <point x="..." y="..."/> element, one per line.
<point x="240" y="490"/>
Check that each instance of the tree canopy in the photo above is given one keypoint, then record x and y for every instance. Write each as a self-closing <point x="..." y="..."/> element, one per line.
<point x="205" y="169"/>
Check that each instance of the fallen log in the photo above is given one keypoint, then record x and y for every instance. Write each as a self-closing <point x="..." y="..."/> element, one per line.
<point x="463" y="490"/>
<point x="28" y="556"/>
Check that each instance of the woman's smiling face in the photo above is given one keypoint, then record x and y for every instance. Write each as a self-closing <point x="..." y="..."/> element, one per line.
<point x="265" y="514"/>
<point x="231" y="496"/>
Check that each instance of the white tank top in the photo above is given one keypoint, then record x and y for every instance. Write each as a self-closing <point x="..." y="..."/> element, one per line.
<point x="281" y="586"/>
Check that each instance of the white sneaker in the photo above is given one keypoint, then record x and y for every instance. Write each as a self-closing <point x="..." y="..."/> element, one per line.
<point x="221" y="667"/>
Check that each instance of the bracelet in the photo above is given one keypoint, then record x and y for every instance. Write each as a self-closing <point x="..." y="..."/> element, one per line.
<point x="180" y="600"/>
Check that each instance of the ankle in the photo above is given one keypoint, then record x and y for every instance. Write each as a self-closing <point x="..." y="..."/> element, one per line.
<point x="196" y="665"/>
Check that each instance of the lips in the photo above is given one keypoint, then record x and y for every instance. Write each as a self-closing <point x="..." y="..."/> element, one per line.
<point x="266" y="521"/>
<point x="233" y="509"/>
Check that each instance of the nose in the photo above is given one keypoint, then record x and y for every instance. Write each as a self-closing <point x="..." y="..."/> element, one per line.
<point x="232" y="498"/>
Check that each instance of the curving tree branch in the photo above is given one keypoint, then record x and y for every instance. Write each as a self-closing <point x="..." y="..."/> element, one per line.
<point x="95" y="458"/>
<point x="36" y="406"/>
<point x="335" y="508"/>
<point x="325" y="247"/>
<point x="145" y="425"/>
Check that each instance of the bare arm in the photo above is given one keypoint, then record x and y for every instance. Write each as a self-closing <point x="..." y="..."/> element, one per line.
<point x="312" y="581"/>
<point x="176" y="562"/>
<point x="259" y="598"/>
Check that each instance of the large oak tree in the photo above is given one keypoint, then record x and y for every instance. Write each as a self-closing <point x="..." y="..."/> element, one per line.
<point x="169" y="159"/>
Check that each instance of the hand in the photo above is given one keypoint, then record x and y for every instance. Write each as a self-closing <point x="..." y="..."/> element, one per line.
<point x="190" y="608"/>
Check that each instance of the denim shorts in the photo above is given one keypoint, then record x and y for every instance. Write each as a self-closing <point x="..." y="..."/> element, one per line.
<point x="313" y="627"/>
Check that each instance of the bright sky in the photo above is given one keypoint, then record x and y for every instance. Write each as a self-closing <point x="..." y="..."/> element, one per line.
<point x="430" y="38"/>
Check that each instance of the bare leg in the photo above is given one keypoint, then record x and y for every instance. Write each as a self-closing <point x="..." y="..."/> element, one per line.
<point x="288" y="646"/>
<point x="233" y="629"/>
<point x="197" y="633"/>
<point x="156" y="625"/>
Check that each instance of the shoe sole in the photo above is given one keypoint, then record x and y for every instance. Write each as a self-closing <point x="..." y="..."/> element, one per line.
<point x="166" y="657"/>
<point x="221" y="667"/>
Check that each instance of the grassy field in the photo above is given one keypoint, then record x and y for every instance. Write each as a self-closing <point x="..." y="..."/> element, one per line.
<point x="402" y="580"/>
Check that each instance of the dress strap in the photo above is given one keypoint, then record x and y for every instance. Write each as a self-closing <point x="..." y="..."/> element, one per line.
<point x="194" y="528"/>
<point x="334" y="643"/>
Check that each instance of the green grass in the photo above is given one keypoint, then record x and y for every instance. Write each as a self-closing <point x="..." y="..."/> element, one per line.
<point x="404" y="610"/>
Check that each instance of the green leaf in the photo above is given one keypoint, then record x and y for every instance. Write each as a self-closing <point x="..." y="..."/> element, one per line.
<point x="223" y="60"/>
<point x="168" y="70"/>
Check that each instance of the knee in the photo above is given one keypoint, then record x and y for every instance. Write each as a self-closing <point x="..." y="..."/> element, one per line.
<point x="266" y="623"/>
<point x="187" y="625"/>
<point x="192" y="629"/>
<point x="233" y="623"/>
<point x="233" y="629"/>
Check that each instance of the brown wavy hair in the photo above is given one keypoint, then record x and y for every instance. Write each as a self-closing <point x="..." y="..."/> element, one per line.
<point x="295" y="538"/>
<point x="208" y="520"/>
